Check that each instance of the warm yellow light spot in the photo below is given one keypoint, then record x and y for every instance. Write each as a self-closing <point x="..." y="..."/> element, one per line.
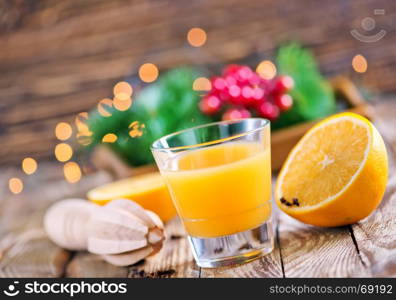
<point x="84" y="139"/>
<point x="29" y="165"/>
<point x="63" y="131"/>
<point x="72" y="172"/>
<point x="359" y="63"/>
<point x="202" y="84"/>
<point x="122" y="105"/>
<point x="122" y="90"/>
<point x="196" y="37"/>
<point x="136" y="129"/>
<point x="63" y="152"/>
<point x="266" y="69"/>
<point x="109" y="138"/>
<point x="15" y="185"/>
<point x="104" y="106"/>
<point x="148" y="72"/>
<point x="81" y="125"/>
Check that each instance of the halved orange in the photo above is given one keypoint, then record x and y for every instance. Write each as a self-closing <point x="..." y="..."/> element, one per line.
<point x="336" y="174"/>
<point x="148" y="190"/>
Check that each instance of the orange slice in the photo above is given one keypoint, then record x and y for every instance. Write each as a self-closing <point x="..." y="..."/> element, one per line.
<point x="148" y="190"/>
<point x="336" y="174"/>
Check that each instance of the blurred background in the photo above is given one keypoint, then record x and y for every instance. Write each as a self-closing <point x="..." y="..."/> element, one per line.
<point x="59" y="58"/>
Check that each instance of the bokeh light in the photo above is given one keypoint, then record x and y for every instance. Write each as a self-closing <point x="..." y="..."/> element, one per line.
<point x="72" y="172"/>
<point x="266" y="69"/>
<point x="109" y="138"/>
<point x="196" y="37"/>
<point x="122" y="105"/>
<point x="81" y="125"/>
<point x="136" y="129"/>
<point x="63" y="131"/>
<point x="29" y="165"/>
<point x="359" y="63"/>
<point x="104" y="106"/>
<point x="122" y="90"/>
<point x="202" y="84"/>
<point x="15" y="185"/>
<point x="63" y="152"/>
<point x="148" y="72"/>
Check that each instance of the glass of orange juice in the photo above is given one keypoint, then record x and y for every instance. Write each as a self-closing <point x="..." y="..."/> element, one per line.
<point x="219" y="177"/>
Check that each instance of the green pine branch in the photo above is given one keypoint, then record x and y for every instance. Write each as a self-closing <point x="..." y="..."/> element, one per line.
<point x="166" y="106"/>
<point x="312" y="94"/>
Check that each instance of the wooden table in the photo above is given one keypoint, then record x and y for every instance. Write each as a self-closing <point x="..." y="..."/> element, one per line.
<point x="365" y="249"/>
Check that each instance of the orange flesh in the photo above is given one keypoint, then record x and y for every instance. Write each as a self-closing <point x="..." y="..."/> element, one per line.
<point x="326" y="163"/>
<point x="147" y="190"/>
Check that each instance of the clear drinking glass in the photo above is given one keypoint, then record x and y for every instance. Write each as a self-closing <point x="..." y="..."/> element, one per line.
<point x="219" y="177"/>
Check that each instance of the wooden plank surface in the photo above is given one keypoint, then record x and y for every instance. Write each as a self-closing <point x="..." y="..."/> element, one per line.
<point x="85" y="264"/>
<point x="363" y="250"/>
<point x="31" y="254"/>
<point x="376" y="235"/>
<point x="309" y="251"/>
<point x="25" y="250"/>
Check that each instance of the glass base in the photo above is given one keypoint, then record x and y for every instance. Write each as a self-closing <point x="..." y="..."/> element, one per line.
<point x="233" y="249"/>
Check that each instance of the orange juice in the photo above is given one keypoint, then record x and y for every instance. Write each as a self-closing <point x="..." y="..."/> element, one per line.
<point x="221" y="190"/>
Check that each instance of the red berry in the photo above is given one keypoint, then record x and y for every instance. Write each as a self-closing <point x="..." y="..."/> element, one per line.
<point x="230" y="80"/>
<point x="283" y="84"/>
<point x="218" y="84"/>
<point x="236" y="113"/>
<point x="268" y="110"/>
<point x="234" y="92"/>
<point x="210" y="104"/>
<point x="231" y="69"/>
<point x="241" y="86"/>
<point x="284" y="102"/>
<point x="244" y="74"/>
<point x="258" y="94"/>
<point x="266" y="84"/>
<point x="223" y="96"/>
<point x="247" y="94"/>
<point x="255" y="79"/>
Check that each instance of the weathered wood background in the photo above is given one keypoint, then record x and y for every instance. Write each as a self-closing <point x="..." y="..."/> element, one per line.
<point x="365" y="249"/>
<point x="58" y="58"/>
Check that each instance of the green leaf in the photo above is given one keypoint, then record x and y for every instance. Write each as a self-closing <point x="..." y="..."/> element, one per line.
<point x="312" y="94"/>
<point x="166" y="106"/>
